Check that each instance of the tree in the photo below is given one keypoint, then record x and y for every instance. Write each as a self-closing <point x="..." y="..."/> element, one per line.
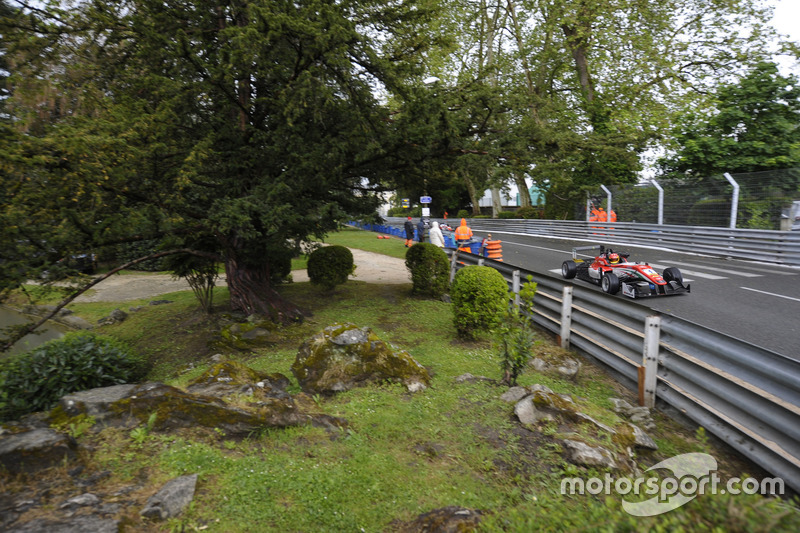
<point x="585" y="86"/>
<point x="750" y="125"/>
<point x="254" y="124"/>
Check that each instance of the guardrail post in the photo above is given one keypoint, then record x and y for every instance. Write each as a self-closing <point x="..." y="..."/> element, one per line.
<point x="515" y="287"/>
<point x="480" y="262"/>
<point x="453" y="261"/>
<point x="566" y="316"/>
<point x="648" y="372"/>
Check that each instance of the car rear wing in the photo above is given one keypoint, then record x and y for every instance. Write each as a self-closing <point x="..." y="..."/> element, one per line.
<point x="600" y="248"/>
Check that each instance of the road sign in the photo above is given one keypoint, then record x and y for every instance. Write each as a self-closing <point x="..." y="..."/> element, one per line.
<point x="406" y="202"/>
<point x="424" y="199"/>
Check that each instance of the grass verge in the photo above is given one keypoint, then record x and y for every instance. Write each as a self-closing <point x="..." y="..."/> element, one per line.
<point x="455" y="444"/>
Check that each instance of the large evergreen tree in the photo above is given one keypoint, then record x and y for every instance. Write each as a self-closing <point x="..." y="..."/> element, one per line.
<point x="253" y="124"/>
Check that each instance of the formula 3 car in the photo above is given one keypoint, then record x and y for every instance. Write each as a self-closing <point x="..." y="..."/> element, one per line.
<point x="613" y="272"/>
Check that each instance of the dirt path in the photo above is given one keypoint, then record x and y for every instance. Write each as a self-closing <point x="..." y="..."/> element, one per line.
<point x="370" y="267"/>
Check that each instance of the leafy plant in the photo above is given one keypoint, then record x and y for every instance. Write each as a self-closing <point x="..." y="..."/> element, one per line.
<point x="480" y="297"/>
<point x="430" y="269"/>
<point x="36" y="380"/>
<point x="330" y="266"/>
<point x="516" y="336"/>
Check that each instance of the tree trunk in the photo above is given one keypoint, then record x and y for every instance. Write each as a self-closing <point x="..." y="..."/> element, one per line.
<point x="251" y="292"/>
<point x="497" y="202"/>
<point x="473" y="194"/>
<point x="524" y="193"/>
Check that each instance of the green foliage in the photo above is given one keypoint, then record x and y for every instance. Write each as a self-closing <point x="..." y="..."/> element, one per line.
<point x="480" y="297"/>
<point x="124" y="253"/>
<point x="507" y="215"/>
<point x="463" y="213"/>
<point x="329" y="266"/>
<point x="430" y="269"/>
<point x="754" y="125"/>
<point x="516" y="336"/>
<point x="35" y="381"/>
<point x="528" y="212"/>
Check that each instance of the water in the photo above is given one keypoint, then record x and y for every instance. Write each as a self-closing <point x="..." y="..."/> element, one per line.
<point x="47" y="332"/>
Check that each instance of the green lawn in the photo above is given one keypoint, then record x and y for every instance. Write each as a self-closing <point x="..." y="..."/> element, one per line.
<point x="403" y="454"/>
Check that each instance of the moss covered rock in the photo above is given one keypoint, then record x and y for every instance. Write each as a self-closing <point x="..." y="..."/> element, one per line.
<point x="232" y="377"/>
<point x="344" y="356"/>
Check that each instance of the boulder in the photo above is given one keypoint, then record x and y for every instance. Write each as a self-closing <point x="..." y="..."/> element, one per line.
<point x="36" y="449"/>
<point x="171" y="499"/>
<point x="580" y="453"/>
<point x="566" y="367"/>
<point x="132" y="405"/>
<point x="344" y="356"/>
<point x="226" y="378"/>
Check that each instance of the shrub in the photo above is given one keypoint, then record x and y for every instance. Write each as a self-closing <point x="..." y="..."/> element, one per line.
<point x="36" y="380"/>
<point x="480" y="298"/>
<point x="430" y="269"/>
<point x="463" y="213"/>
<point x="528" y="212"/>
<point x="330" y="266"/>
<point x="516" y="336"/>
<point x="507" y="214"/>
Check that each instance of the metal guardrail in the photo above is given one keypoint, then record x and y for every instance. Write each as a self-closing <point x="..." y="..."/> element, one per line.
<point x="764" y="245"/>
<point x="745" y="395"/>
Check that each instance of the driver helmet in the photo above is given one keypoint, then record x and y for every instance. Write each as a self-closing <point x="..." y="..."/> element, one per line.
<point x="613" y="258"/>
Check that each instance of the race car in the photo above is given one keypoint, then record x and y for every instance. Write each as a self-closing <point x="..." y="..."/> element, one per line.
<point x="613" y="272"/>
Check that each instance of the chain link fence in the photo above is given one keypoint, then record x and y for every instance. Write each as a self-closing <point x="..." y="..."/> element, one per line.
<point x="764" y="202"/>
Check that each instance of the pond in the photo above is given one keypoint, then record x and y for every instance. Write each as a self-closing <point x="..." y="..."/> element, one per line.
<point x="50" y="331"/>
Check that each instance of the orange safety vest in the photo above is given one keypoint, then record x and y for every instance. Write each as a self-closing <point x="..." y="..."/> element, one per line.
<point x="463" y="233"/>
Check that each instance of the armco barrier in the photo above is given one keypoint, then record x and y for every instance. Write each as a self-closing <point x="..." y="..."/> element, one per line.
<point x="747" y="396"/>
<point x="763" y="245"/>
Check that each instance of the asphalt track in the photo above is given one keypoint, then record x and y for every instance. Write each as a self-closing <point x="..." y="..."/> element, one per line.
<point x="755" y="302"/>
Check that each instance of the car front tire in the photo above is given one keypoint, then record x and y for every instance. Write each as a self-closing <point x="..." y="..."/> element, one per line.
<point x="569" y="269"/>
<point x="610" y="283"/>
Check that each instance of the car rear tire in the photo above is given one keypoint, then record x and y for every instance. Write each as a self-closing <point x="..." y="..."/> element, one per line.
<point x="610" y="283"/>
<point x="569" y="269"/>
<point x="672" y="274"/>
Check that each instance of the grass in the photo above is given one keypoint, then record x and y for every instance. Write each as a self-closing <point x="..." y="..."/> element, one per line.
<point x="403" y="454"/>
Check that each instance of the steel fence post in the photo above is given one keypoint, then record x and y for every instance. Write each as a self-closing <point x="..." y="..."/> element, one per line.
<point x="652" y="339"/>
<point x="566" y="316"/>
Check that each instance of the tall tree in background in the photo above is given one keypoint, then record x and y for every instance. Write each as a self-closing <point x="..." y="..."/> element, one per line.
<point x="748" y="126"/>
<point x="255" y="123"/>
<point x="588" y="85"/>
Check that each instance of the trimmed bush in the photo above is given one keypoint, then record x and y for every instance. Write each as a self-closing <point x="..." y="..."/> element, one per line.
<point x="330" y="266"/>
<point x="430" y="269"/>
<point x="507" y="215"/>
<point x="36" y="380"/>
<point x="528" y="212"/>
<point x="480" y="300"/>
<point x="463" y="213"/>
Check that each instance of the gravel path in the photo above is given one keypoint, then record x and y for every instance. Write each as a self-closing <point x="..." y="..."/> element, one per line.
<point x="370" y="267"/>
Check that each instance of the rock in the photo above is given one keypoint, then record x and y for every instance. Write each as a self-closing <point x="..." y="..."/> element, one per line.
<point x="515" y="394"/>
<point x="75" y="322"/>
<point x="445" y="520"/>
<point x="180" y="409"/>
<point x="543" y="405"/>
<point x="171" y="499"/>
<point x="642" y="439"/>
<point x="84" y="500"/>
<point x="231" y="377"/>
<point x="116" y="316"/>
<point x="469" y="378"/>
<point x="160" y="302"/>
<point x="77" y="524"/>
<point x="246" y="336"/>
<point x="344" y="356"/>
<point x="581" y="453"/>
<point x="34" y="450"/>
<point x="566" y="368"/>
<point x="93" y="402"/>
